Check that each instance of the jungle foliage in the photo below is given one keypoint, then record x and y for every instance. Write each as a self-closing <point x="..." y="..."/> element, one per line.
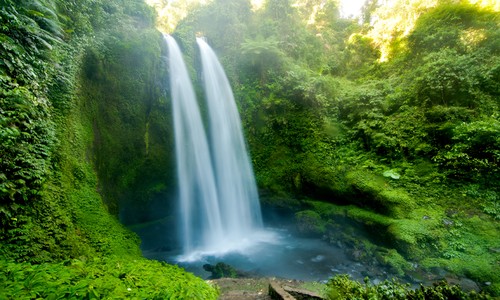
<point x="399" y="136"/>
<point x="390" y="124"/>
<point x="72" y="75"/>
<point x="341" y="287"/>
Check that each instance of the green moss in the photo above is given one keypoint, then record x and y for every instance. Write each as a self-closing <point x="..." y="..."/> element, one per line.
<point x="368" y="217"/>
<point x="415" y="237"/>
<point x="332" y="212"/>
<point x="309" y="222"/>
<point x="378" y="194"/>
<point x="323" y="178"/>
<point x="395" y="261"/>
<point x="123" y="104"/>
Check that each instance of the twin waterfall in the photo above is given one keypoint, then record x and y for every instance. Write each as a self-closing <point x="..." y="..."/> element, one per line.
<point x="218" y="198"/>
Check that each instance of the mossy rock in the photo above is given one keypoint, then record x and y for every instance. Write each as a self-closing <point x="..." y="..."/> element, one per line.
<point x="221" y="270"/>
<point x="324" y="181"/>
<point x="395" y="261"/>
<point x="368" y="217"/>
<point x="375" y="192"/>
<point x="309" y="223"/>
<point x="415" y="238"/>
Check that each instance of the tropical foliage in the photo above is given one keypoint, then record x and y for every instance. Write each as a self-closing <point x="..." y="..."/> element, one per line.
<point x="395" y="116"/>
<point x="340" y="287"/>
<point x="60" y="63"/>
<point x="387" y="125"/>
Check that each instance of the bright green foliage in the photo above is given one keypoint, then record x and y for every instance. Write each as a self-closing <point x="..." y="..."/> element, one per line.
<point x="72" y="75"/>
<point x="262" y="55"/>
<point x="341" y="287"/>
<point x="50" y="209"/>
<point x="26" y="131"/>
<point x="461" y="26"/>
<point x="403" y="153"/>
<point x="475" y="148"/>
<point x="391" y="147"/>
<point x="27" y="137"/>
<point x="97" y="278"/>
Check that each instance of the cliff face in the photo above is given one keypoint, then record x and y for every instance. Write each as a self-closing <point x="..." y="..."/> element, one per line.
<point x="85" y="126"/>
<point x="84" y="130"/>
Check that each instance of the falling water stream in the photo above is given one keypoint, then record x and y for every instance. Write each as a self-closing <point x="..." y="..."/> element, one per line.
<point x="220" y="210"/>
<point x="237" y="190"/>
<point x="220" y="214"/>
<point x="199" y="206"/>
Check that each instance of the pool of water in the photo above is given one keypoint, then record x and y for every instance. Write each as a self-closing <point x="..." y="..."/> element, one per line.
<point x="284" y="255"/>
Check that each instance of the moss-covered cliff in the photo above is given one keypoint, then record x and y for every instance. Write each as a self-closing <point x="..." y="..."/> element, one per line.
<point x="84" y="130"/>
<point x="389" y="146"/>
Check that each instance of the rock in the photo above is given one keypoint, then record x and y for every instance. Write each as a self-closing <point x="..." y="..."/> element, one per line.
<point x="318" y="258"/>
<point x="300" y="294"/>
<point x="357" y="254"/>
<point x="278" y="293"/>
<point x="469" y="285"/>
<point x="221" y="270"/>
<point x="465" y="284"/>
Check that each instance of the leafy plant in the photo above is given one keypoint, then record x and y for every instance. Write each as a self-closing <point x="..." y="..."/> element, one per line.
<point x="341" y="287"/>
<point x="110" y="278"/>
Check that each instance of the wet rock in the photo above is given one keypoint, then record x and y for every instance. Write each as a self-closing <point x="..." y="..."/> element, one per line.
<point x="357" y="254"/>
<point x="278" y="293"/>
<point x="222" y="270"/>
<point x="465" y="284"/>
<point x="413" y="278"/>
<point x="318" y="258"/>
<point x="438" y="272"/>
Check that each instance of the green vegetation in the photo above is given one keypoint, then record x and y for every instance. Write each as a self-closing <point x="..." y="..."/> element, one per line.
<point x="341" y="287"/>
<point x="98" y="278"/>
<point x="391" y="124"/>
<point x="383" y="135"/>
<point x="82" y="115"/>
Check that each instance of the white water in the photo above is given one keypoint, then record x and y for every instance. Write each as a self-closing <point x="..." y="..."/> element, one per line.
<point x="219" y="205"/>
<point x="199" y="206"/>
<point x="237" y="190"/>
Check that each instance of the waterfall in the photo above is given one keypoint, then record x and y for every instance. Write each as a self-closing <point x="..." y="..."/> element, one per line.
<point x="199" y="206"/>
<point x="219" y="205"/>
<point x="237" y="191"/>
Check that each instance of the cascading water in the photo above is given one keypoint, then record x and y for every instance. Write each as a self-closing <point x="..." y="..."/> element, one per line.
<point x="220" y="210"/>
<point x="199" y="206"/>
<point x="237" y="190"/>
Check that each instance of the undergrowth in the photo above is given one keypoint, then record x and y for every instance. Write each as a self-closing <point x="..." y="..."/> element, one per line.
<point x="341" y="287"/>
<point x="101" y="278"/>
